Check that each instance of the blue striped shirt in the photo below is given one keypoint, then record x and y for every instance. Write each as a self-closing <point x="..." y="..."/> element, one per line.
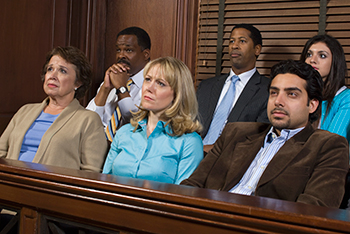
<point x="272" y="144"/>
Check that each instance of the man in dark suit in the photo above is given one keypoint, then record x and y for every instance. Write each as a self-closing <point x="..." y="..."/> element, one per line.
<point x="248" y="103"/>
<point x="287" y="159"/>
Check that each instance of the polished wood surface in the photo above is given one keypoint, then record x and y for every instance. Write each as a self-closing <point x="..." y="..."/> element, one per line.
<point x="125" y="204"/>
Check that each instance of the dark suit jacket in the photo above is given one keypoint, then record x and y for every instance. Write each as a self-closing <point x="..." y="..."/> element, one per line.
<point x="250" y="106"/>
<point x="310" y="167"/>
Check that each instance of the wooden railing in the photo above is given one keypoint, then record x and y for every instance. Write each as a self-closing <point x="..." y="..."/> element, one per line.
<point x="43" y="195"/>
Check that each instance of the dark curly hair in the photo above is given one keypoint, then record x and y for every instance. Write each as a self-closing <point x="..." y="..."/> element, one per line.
<point x="82" y="67"/>
<point x="314" y="83"/>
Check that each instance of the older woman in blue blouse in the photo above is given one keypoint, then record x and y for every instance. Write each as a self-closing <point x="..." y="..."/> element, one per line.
<point x="58" y="131"/>
<point x="161" y="142"/>
<point x="326" y="55"/>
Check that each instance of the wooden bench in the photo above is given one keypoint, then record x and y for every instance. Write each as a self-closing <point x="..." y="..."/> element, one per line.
<point x="110" y="204"/>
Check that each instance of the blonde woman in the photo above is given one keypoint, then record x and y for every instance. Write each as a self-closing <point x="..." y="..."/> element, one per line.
<point x="161" y="142"/>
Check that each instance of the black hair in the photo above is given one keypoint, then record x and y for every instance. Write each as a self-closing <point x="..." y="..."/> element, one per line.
<point x="143" y="38"/>
<point x="336" y="77"/>
<point x="255" y="34"/>
<point x="314" y="83"/>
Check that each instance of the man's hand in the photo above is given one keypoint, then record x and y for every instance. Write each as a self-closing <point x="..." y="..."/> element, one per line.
<point x="117" y="82"/>
<point x="119" y="75"/>
<point x="116" y="76"/>
<point x="207" y="148"/>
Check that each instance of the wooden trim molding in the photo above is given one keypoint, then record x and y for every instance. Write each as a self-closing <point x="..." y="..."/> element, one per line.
<point x="220" y="40"/>
<point x="186" y="32"/>
<point x="141" y="206"/>
<point x="322" y="17"/>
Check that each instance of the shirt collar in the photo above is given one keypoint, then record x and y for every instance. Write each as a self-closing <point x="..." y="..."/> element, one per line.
<point x="244" y="77"/>
<point x="340" y="90"/>
<point x="160" y="126"/>
<point x="138" y="78"/>
<point x="286" y="134"/>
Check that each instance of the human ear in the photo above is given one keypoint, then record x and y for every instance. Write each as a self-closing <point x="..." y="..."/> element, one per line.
<point x="257" y="50"/>
<point x="146" y="54"/>
<point x="313" y="104"/>
<point x="78" y="84"/>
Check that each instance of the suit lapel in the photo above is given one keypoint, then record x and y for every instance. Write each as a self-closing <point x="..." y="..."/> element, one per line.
<point x="213" y="98"/>
<point x="285" y="155"/>
<point x="61" y="120"/>
<point x="244" y="99"/>
<point x="244" y="153"/>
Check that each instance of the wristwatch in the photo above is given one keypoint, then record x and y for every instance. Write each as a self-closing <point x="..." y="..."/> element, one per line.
<point x="122" y="89"/>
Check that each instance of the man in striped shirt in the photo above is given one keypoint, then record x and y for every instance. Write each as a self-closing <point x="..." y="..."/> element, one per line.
<point x="287" y="159"/>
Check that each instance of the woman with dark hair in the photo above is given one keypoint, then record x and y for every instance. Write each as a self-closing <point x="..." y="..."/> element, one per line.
<point x="326" y="55"/>
<point x="161" y="142"/>
<point x="58" y="131"/>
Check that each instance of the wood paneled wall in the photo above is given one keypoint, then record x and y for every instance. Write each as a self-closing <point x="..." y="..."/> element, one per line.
<point x="25" y="37"/>
<point x="30" y="28"/>
<point x="171" y="25"/>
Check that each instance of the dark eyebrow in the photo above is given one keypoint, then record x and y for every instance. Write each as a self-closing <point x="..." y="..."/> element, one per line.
<point x="319" y="52"/>
<point x="287" y="89"/>
<point x="63" y="67"/>
<point x="293" y="89"/>
<point x="323" y="51"/>
<point x="50" y="65"/>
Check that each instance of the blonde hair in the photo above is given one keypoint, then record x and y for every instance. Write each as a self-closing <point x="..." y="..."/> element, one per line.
<point x="182" y="115"/>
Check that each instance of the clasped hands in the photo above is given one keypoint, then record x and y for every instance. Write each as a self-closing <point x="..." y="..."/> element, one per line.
<point x="116" y="76"/>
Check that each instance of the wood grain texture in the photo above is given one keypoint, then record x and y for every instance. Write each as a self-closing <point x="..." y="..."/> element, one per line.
<point x="120" y="203"/>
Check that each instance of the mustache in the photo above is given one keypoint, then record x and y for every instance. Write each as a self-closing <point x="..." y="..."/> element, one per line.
<point x="235" y="52"/>
<point x="280" y="110"/>
<point x="122" y="60"/>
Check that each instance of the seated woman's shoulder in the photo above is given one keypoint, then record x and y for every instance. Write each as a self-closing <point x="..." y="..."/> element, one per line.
<point x="346" y="92"/>
<point x="193" y="136"/>
<point x="27" y="108"/>
<point x="344" y="97"/>
<point x="30" y="105"/>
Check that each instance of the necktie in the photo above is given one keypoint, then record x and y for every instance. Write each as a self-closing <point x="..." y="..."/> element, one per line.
<point x="115" y="119"/>
<point x="221" y="114"/>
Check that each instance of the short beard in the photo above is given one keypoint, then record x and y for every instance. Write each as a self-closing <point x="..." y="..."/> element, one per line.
<point x="280" y="125"/>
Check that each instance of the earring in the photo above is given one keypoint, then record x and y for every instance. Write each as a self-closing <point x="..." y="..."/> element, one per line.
<point x="75" y="88"/>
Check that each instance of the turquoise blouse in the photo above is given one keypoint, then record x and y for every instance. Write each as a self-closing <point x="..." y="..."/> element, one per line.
<point x="160" y="157"/>
<point x="338" y="118"/>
